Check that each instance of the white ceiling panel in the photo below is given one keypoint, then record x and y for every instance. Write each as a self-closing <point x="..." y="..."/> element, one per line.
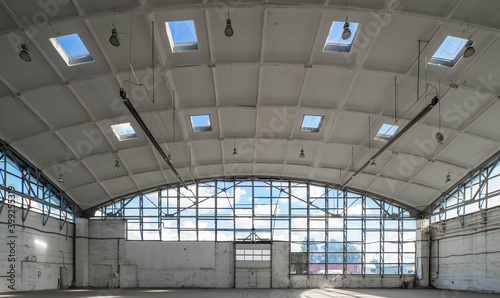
<point x="119" y="186"/>
<point x="44" y="149"/>
<point x="385" y="186"/>
<point x="89" y="195"/>
<point x="139" y="159"/>
<point x="101" y="96"/>
<point x="237" y="122"/>
<point x="478" y="12"/>
<point x="17" y="120"/>
<point x="49" y="102"/>
<point x="434" y="174"/>
<point x="105" y="125"/>
<point x="464" y="150"/>
<point x="236" y="85"/>
<point x="298" y="171"/>
<point x="311" y="151"/>
<point x="233" y="170"/>
<point x="370" y="92"/>
<point x="414" y="195"/>
<point x="439" y="8"/>
<point x="103" y="165"/>
<point x="188" y="95"/>
<point x="74" y="174"/>
<point x="403" y="166"/>
<point x="149" y="179"/>
<point x="335" y="155"/>
<point x="488" y="123"/>
<point x="207" y="151"/>
<point x="94" y="6"/>
<point x="272" y="151"/>
<point x="280" y="85"/>
<point x="351" y="128"/>
<point x="275" y="122"/>
<point x="325" y="87"/>
<point x="286" y="31"/>
<point x="85" y="139"/>
<point x="244" y="148"/>
<point x="42" y="11"/>
<point x="269" y="169"/>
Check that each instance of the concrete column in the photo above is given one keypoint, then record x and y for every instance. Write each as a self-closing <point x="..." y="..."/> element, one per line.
<point x="82" y="253"/>
<point x="422" y="253"/>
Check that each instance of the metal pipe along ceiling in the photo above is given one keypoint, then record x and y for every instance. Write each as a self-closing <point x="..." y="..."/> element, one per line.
<point x="412" y="122"/>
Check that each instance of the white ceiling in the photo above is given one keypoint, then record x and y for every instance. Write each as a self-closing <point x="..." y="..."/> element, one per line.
<point x="256" y="86"/>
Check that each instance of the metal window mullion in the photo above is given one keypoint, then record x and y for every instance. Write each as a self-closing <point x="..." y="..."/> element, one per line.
<point x="382" y="239"/>
<point x="160" y="205"/>
<point x="308" y="229"/>
<point x="363" y="236"/>
<point x="178" y="213"/>
<point x="344" y="243"/>
<point x="215" y="209"/>
<point x="197" y="200"/>
<point x="141" y="216"/>
<point x="327" y="228"/>
<point x="400" y="245"/>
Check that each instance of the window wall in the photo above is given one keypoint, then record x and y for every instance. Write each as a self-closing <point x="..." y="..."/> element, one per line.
<point x="329" y="231"/>
<point x="24" y="186"/>
<point x="478" y="192"/>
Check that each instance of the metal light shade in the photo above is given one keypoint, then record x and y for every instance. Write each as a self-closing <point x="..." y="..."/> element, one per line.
<point x="235" y="153"/>
<point x="113" y="39"/>
<point x="60" y="178"/>
<point x="24" y="54"/>
<point x="302" y="154"/>
<point x="439" y="137"/>
<point x="117" y="165"/>
<point x="229" y="29"/>
<point x="347" y="33"/>
<point x="448" y="178"/>
<point x="469" y="50"/>
<point x="373" y="164"/>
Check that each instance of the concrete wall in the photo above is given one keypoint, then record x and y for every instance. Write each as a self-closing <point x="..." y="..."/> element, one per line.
<point x="34" y="254"/>
<point x="467" y="258"/>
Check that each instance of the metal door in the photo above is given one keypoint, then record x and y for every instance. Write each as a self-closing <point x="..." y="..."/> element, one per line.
<point x="252" y="265"/>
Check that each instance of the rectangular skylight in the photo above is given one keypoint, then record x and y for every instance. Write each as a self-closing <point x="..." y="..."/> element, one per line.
<point x="386" y="132"/>
<point x="335" y="43"/>
<point x="311" y="123"/>
<point x="449" y="52"/>
<point x="124" y="131"/>
<point x="182" y="36"/>
<point x="201" y="123"/>
<point x="71" y="49"/>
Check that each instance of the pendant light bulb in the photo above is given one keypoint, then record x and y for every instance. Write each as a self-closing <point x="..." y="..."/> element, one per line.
<point x="113" y="39"/>
<point x="235" y="153"/>
<point x="117" y="164"/>
<point x="373" y="163"/>
<point x="25" y="54"/>
<point x="469" y="49"/>
<point x="346" y="33"/>
<point x="60" y="178"/>
<point x="302" y="154"/>
<point x="448" y="178"/>
<point x="229" y="29"/>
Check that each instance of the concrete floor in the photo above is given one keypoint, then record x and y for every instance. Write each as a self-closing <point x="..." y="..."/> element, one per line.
<point x="254" y="293"/>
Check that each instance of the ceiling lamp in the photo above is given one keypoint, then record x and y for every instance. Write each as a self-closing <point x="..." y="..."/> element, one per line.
<point x="113" y="39"/>
<point x="229" y="29"/>
<point x="169" y="156"/>
<point x="373" y="163"/>
<point x="448" y="178"/>
<point x="439" y="137"/>
<point x="117" y="164"/>
<point x="25" y="54"/>
<point x="347" y="33"/>
<point x="469" y="49"/>
<point x="60" y="178"/>
<point x="235" y="153"/>
<point x="302" y="154"/>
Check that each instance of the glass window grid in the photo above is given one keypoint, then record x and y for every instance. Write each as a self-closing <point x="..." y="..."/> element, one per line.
<point x="312" y="218"/>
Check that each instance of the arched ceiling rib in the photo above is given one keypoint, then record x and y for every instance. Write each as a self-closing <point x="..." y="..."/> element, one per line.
<point x="59" y="117"/>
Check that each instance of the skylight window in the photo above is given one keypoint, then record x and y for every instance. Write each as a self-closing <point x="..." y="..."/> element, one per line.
<point x="182" y="36"/>
<point x="201" y="123"/>
<point x="449" y="52"/>
<point x="71" y="49"/>
<point x="124" y="131"/>
<point x="386" y="132"/>
<point x="335" y="43"/>
<point x="311" y="123"/>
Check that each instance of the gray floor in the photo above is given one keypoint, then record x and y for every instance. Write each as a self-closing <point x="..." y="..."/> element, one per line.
<point x="250" y="293"/>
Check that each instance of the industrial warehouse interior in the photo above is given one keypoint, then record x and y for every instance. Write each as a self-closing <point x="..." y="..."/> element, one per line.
<point x="245" y="148"/>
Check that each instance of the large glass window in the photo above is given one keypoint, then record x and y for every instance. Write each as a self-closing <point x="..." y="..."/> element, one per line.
<point x="329" y="231"/>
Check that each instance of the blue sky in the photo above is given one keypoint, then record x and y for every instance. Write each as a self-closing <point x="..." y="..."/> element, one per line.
<point x="388" y="130"/>
<point x="182" y="31"/>
<point x="336" y="30"/>
<point x="200" y="120"/>
<point x="311" y="121"/>
<point x="72" y="45"/>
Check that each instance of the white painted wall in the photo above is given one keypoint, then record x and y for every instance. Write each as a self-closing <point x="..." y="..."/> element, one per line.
<point x="463" y="264"/>
<point x="39" y="254"/>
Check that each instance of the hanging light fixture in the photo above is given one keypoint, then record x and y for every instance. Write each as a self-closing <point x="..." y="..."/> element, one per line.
<point x="229" y="29"/>
<point x="117" y="164"/>
<point x="169" y="156"/>
<point x="439" y="137"/>
<point x="346" y="33"/>
<point x="373" y="163"/>
<point x="469" y="49"/>
<point x="25" y="54"/>
<point x="302" y="154"/>
<point x="235" y="153"/>
<point x="60" y="178"/>
<point x="448" y="178"/>
<point x="113" y="39"/>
